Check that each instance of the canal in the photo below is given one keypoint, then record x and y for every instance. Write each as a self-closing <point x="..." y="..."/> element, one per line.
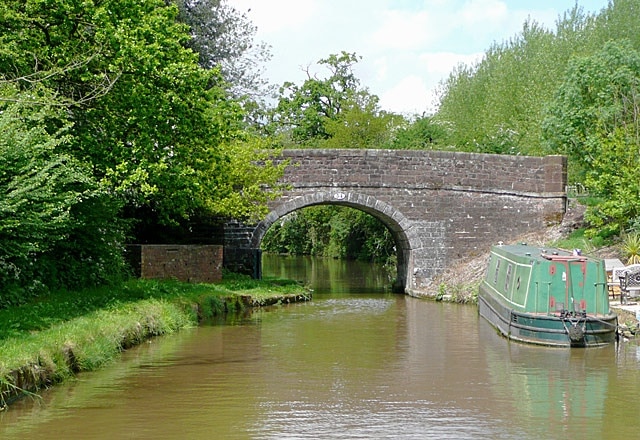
<point x="356" y="362"/>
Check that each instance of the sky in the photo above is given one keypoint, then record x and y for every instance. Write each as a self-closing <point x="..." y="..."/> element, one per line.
<point x="407" y="46"/>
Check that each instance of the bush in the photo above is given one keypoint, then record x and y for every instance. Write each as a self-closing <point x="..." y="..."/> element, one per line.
<point x="631" y="247"/>
<point x="58" y="226"/>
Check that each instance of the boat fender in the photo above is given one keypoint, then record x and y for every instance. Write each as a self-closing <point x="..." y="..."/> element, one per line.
<point x="576" y="333"/>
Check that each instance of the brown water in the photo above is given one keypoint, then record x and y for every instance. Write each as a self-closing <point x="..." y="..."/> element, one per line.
<point x="346" y="365"/>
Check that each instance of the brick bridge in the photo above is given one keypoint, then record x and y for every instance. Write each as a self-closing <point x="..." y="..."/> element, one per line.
<point x="439" y="206"/>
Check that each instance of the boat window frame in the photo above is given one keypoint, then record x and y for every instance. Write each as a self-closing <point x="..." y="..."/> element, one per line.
<point x="495" y="275"/>
<point x="507" y="278"/>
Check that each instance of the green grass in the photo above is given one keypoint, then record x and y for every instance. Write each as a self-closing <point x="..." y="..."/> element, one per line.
<point x="63" y="305"/>
<point x="48" y="340"/>
<point x="578" y="240"/>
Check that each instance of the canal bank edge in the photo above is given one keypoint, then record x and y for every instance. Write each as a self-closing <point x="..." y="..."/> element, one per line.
<point x="139" y="323"/>
<point x="460" y="281"/>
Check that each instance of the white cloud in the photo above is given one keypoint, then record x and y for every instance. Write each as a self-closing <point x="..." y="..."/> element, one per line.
<point x="409" y="94"/>
<point x="408" y="46"/>
<point x="278" y="15"/>
<point x="402" y="30"/>
<point x="484" y="13"/>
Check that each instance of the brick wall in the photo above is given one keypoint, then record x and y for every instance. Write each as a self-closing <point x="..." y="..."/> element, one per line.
<point x="439" y="206"/>
<point x="189" y="263"/>
<point x="417" y="169"/>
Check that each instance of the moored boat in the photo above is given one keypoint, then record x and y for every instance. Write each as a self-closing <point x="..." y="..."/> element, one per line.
<point x="547" y="296"/>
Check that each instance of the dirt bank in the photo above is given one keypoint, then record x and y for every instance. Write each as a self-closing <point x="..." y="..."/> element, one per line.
<point x="460" y="281"/>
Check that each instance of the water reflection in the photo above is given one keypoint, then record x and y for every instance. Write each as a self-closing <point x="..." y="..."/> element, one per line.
<point x="327" y="275"/>
<point x="371" y="365"/>
<point x="554" y="392"/>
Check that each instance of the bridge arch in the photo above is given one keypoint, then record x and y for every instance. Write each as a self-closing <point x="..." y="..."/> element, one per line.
<point x="440" y="206"/>
<point x="397" y="223"/>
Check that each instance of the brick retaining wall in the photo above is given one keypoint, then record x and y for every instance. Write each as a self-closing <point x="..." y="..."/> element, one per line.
<point x="188" y="263"/>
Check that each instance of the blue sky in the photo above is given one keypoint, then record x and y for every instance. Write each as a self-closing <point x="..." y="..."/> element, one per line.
<point x="407" y="46"/>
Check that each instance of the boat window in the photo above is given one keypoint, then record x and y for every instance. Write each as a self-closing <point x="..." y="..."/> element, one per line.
<point x="507" y="279"/>
<point x="495" y="275"/>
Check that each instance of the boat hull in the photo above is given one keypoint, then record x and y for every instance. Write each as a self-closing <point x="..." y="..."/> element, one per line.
<point x="544" y="329"/>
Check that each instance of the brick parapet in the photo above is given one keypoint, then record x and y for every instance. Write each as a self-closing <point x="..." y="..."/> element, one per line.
<point x="425" y="169"/>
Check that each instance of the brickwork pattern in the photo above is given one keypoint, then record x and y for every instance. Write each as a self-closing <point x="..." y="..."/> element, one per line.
<point x="188" y="263"/>
<point x="439" y="206"/>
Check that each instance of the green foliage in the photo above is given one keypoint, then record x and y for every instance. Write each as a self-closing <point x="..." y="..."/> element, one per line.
<point x="579" y="239"/>
<point x="331" y="231"/>
<point x="303" y="232"/>
<point x="358" y="127"/>
<point x="334" y="112"/>
<point x="499" y="104"/>
<point x="57" y="224"/>
<point x="496" y="105"/>
<point x="631" y="247"/>
<point x="152" y="123"/>
<point x="250" y="179"/>
<point x="107" y="119"/>
<point x="422" y="134"/>
<point x="598" y="96"/>
<point x="304" y="110"/>
<point x="594" y="120"/>
<point x="574" y="91"/>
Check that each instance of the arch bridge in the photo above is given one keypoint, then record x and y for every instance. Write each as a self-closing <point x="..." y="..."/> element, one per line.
<point x="439" y="206"/>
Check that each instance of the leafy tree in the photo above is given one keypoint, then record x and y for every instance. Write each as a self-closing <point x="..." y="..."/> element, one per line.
<point x="498" y="104"/>
<point x="357" y="127"/>
<point x="618" y="21"/>
<point x="331" y="231"/>
<point x="334" y="112"/>
<point x="224" y="38"/>
<point x="303" y="232"/>
<point x="495" y="106"/>
<point x="594" y="120"/>
<point x="151" y="122"/>
<point x="58" y="226"/>
<point x="424" y="133"/>
<point x="107" y="117"/>
<point x="250" y="167"/>
<point x="306" y="112"/>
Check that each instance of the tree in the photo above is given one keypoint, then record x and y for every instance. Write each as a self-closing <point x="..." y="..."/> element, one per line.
<point x="224" y="38"/>
<point x="595" y="121"/>
<point x="498" y="104"/>
<point x="304" y="112"/>
<point x="357" y="127"/>
<point x="107" y="120"/>
<point x="58" y="226"/>
<point x="157" y="137"/>
<point x="331" y="231"/>
<point x="424" y="133"/>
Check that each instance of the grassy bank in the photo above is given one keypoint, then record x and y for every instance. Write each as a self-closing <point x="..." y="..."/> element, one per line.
<point x="57" y="336"/>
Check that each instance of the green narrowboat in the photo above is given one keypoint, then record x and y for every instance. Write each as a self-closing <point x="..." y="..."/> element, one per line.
<point x="547" y="296"/>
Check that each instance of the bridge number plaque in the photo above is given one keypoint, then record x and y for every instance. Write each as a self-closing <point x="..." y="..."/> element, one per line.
<point x="340" y="196"/>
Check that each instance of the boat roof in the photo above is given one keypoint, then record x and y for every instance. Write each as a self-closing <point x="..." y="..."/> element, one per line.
<point x="526" y="251"/>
